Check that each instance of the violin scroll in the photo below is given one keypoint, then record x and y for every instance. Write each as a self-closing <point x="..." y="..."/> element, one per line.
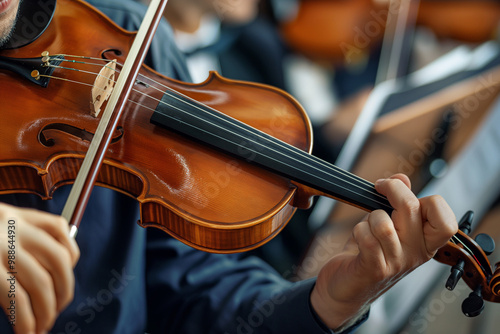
<point x="469" y="261"/>
<point x="495" y="281"/>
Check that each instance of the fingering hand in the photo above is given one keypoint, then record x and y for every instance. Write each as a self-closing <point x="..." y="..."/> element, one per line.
<point x="381" y="251"/>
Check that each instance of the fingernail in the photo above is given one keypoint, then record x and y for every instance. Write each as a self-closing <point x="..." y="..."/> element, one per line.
<point x="379" y="181"/>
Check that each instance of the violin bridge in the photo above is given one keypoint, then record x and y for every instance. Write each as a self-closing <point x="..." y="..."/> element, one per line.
<point x="103" y="86"/>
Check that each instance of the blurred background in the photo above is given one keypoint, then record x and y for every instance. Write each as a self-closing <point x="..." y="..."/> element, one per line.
<point x="389" y="86"/>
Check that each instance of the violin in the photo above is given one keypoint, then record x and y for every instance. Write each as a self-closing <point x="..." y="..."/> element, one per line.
<point x="221" y="165"/>
<point x="469" y="257"/>
<point x="214" y="201"/>
<point x="331" y="30"/>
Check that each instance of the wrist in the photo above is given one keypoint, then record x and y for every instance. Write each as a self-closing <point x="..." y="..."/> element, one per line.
<point x="355" y="321"/>
<point x="338" y="316"/>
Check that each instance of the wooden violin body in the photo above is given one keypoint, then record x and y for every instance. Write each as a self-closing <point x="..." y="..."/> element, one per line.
<point x="206" y="198"/>
<point x="209" y="199"/>
<point x="333" y="29"/>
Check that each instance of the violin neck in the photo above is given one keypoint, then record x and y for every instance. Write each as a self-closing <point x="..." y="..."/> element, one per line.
<point x="252" y="145"/>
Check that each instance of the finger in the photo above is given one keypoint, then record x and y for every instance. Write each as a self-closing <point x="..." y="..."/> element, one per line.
<point x="397" y="192"/>
<point x="56" y="260"/>
<point x="40" y="289"/>
<point x="16" y="304"/>
<point x="57" y="227"/>
<point x="351" y="245"/>
<point x="440" y="222"/>
<point x="406" y="205"/>
<point x="383" y="229"/>
<point x="371" y="256"/>
<point x="403" y="178"/>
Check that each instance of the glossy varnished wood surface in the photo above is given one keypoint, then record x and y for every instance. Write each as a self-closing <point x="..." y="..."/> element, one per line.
<point x="205" y="198"/>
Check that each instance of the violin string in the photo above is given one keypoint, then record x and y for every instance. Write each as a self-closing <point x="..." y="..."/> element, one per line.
<point x="456" y="240"/>
<point x="327" y="181"/>
<point x="92" y="64"/>
<point x="309" y="160"/>
<point x="311" y="166"/>
<point x="159" y="101"/>
<point x="84" y="57"/>
<point x="76" y="61"/>
<point x="82" y="71"/>
<point x="337" y="169"/>
<point x="282" y="144"/>
<point x="279" y="152"/>
<point x="187" y="97"/>
<point x="69" y="80"/>
<point x="195" y="106"/>
<point x="286" y="146"/>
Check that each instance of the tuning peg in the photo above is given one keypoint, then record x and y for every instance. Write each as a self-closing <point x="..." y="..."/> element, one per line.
<point x="486" y="242"/>
<point x="465" y="223"/>
<point x="456" y="273"/>
<point x="473" y="305"/>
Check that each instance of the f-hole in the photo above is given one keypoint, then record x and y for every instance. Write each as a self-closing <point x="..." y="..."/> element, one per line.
<point x="46" y="140"/>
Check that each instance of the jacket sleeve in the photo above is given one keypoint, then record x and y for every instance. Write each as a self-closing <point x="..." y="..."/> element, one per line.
<point x="163" y="55"/>
<point x="198" y="292"/>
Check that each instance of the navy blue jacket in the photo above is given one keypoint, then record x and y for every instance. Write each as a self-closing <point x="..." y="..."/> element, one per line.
<point x="135" y="280"/>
